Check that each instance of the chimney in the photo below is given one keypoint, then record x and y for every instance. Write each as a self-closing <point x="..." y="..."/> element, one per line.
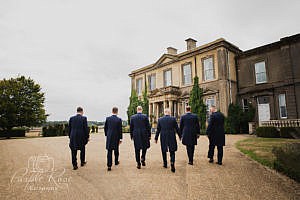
<point x="171" y="50"/>
<point x="190" y="44"/>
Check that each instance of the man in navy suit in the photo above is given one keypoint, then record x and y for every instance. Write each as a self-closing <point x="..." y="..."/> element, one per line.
<point x="215" y="132"/>
<point x="190" y="130"/>
<point x="140" y="133"/>
<point x="79" y="136"/>
<point x="113" y="133"/>
<point x="167" y="126"/>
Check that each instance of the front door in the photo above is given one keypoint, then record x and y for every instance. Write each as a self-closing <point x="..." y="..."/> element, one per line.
<point x="263" y="112"/>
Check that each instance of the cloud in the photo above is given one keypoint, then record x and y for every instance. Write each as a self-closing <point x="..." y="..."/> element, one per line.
<point x="81" y="52"/>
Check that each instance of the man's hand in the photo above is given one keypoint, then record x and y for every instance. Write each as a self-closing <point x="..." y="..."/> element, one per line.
<point x="155" y="141"/>
<point x="120" y="142"/>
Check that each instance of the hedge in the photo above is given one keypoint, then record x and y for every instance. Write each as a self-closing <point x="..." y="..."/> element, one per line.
<point x="55" y="130"/>
<point x="287" y="160"/>
<point x="287" y="132"/>
<point x="267" y="132"/>
<point x="16" y="132"/>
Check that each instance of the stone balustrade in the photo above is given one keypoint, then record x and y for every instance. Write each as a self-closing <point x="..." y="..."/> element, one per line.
<point x="282" y="123"/>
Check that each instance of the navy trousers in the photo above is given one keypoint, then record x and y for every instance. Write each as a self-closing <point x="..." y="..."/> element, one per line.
<point x="211" y="151"/>
<point x="172" y="157"/>
<point x="138" y="153"/>
<point x="190" y="152"/>
<point x="109" y="156"/>
<point x="74" y="155"/>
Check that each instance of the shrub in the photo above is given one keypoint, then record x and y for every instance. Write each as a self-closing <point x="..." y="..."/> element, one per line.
<point x="93" y="129"/>
<point x="15" y="132"/>
<point x="125" y="129"/>
<point x="55" y="130"/>
<point x="287" y="132"/>
<point x="287" y="160"/>
<point x="267" y="132"/>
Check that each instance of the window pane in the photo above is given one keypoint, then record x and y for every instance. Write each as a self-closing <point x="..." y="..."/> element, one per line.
<point x="260" y="67"/>
<point x="139" y="86"/>
<point x="167" y="77"/>
<point x="208" y="69"/>
<point x="260" y="72"/>
<point x="282" y="106"/>
<point x="187" y="74"/>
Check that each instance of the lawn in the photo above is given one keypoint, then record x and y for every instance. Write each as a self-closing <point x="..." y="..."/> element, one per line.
<point x="260" y="149"/>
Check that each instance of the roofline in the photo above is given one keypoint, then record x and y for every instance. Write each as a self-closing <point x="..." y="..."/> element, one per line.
<point x="202" y="47"/>
<point x="270" y="46"/>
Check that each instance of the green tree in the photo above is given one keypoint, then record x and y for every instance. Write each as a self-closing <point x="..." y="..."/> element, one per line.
<point x="21" y="103"/>
<point x="196" y="102"/>
<point x="145" y="103"/>
<point x="133" y="103"/>
<point x="237" y="120"/>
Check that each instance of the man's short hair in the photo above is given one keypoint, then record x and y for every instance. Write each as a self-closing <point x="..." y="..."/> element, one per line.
<point x="167" y="111"/>
<point x="115" y="110"/>
<point x="79" y="109"/>
<point x="139" y="108"/>
<point x="188" y="108"/>
<point x="212" y="106"/>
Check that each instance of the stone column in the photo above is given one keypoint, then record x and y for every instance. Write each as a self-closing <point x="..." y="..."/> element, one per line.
<point x="171" y="107"/>
<point x="157" y="111"/>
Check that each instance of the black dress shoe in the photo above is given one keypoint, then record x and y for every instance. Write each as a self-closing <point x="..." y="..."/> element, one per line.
<point x="75" y="167"/>
<point x="211" y="160"/>
<point x="173" y="168"/>
<point x="82" y="164"/>
<point x="138" y="166"/>
<point x="108" y="168"/>
<point x="117" y="163"/>
<point x="143" y="163"/>
<point x="190" y="163"/>
<point x="219" y="163"/>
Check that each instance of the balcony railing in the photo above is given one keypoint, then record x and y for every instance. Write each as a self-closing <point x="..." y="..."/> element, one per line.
<point x="282" y="123"/>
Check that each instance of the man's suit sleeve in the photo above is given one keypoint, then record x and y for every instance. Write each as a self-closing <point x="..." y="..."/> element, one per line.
<point x="85" y="125"/>
<point x="177" y="128"/>
<point x="131" y="127"/>
<point x="70" y="127"/>
<point x="198" y="127"/>
<point x="210" y="125"/>
<point x="148" y="127"/>
<point x="158" y="129"/>
<point x="105" y="127"/>
<point x="121" y="132"/>
<point x="181" y="125"/>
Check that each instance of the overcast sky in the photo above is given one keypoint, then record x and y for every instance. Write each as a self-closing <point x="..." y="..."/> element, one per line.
<point x="81" y="51"/>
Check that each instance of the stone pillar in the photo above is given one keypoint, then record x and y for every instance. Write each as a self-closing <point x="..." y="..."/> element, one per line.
<point x="150" y="109"/>
<point x="157" y="111"/>
<point x="171" y="107"/>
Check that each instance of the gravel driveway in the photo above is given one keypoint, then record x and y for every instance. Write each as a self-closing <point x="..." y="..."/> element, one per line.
<point x="40" y="168"/>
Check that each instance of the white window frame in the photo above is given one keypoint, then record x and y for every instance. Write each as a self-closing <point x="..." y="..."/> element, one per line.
<point x="208" y="68"/>
<point x="260" y="72"/>
<point x="207" y="104"/>
<point x="166" y="84"/>
<point x="139" y="88"/>
<point x="152" y="82"/>
<point x="186" y="78"/>
<point x="282" y="104"/>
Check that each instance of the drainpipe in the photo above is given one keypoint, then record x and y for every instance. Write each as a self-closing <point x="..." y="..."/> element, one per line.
<point x="229" y="76"/>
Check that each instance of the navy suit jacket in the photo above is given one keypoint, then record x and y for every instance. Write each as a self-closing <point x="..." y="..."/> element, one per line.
<point x="140" y="131"/>
<point x="189" y="128"/>
<point x="215" y="130"/>
<point x="78" y="132"/>
<point x="167" y="128"/>
<point x="113" y="132"/>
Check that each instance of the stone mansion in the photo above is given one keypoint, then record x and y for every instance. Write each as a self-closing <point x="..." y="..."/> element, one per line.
<point x="268" y="77"/>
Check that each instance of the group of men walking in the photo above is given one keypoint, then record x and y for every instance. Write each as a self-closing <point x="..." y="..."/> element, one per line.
<point x="140" y="132"/>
